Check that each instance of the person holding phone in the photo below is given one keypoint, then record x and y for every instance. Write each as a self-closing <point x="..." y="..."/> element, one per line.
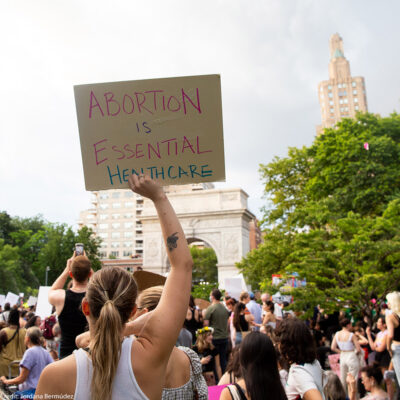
<point x="68" y="302"/>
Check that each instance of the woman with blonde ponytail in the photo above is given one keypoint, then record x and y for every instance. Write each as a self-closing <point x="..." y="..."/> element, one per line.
<point x="118" y="367"/>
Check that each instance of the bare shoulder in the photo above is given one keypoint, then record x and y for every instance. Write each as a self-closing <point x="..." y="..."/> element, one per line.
<point x="57" y="297"/>
<point x="58" y="378"/>
<point x="225" y="394"/>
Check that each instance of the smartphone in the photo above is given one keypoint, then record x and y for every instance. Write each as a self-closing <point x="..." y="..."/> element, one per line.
<point x="78" y="249"/>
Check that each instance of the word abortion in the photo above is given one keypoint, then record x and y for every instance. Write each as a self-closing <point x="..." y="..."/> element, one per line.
<point x="150" y="102"/>
<point x="171" y="147"/>
<point x="156" y="172"/>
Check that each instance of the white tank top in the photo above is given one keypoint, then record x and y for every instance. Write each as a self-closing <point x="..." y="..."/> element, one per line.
<point x="124" y="387"/>
<point x="348" y="345"/>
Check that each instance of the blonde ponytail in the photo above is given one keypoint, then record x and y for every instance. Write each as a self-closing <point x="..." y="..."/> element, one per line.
<point x="111" y="296"/>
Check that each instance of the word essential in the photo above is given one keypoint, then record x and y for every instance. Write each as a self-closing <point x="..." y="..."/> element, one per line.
<point x="104" y="151"/>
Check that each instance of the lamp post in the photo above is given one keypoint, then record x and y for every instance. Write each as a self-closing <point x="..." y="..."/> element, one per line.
<point x="47" y="272"/>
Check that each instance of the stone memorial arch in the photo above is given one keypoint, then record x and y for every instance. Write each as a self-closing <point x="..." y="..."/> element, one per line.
<point x="217" y="217"/>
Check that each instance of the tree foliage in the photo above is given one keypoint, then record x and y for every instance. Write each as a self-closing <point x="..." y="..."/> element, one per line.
<point x="204" y="265"/>
<point x="29" y="245"/>
<point x="334" y="216"/>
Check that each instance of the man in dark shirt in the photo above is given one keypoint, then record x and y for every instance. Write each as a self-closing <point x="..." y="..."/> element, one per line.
<point x="68" y="302"/>
<point x="217" y="316"/>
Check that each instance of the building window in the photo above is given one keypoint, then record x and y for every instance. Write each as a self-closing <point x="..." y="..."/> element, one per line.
<point x="103" y="216"/>
<point x="116" y="205"/>
<point x="103" y="235"/>
<point x="116" y="225"/>
<point x="128" y="234"/>
<point x="103" y="206"/>
<point x="128" y="244"/>
<point x="356" y="100"/>
<point x="115" y="216"/>
<point x="115" y="244"/>
<point x="129" y="204"/>
<point x="329" y="87"/>
<point x="115" y="195"/>
<point x="356" y="108"/>
<point x="128" y="216"/>
<point x="103" y="254"/>
<point x="340" y="101"/>
<point x="115" y="253"/>
<point x="115" y="235"/>
<point x="353" y="84"/>
<point x="331" y="102"/>
<point x="103" y="196"/>
<point x="339" y="85"/>
<point x="128" y="225"/>
<point x="128" y="193"/>
<point x="127" y="253"/>
<point x="330" y="94"/>
<point x="346" y="109"/>
<point x="332" y="110"/>
<point x="103" y="226"/>
<point x="345" y="101"/>
<point x="355" y="92"/>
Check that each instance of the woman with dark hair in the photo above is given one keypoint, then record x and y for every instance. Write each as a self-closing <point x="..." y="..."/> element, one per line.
<point x="33" y="321"/>
<point x="233" y="372"/>
<point x="269" y="317"/>
<point x="371" y="378"/>
<point x="346" y="343"/>
<point x="12" y="345"/>
<point x="241" y="322"/>
<point x="259" y="365"/>
<point x="297" y="346"/>
<point x="118" y="367"/>
<point x="192" y="320"/>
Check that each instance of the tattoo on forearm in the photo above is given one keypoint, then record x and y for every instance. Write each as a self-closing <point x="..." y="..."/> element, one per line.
<point x="171" y="241"/>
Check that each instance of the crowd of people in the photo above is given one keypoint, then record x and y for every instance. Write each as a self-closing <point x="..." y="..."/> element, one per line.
<point x="106" y="340"/>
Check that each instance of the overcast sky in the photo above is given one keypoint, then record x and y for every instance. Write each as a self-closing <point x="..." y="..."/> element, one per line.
<point x="270" y="55"/>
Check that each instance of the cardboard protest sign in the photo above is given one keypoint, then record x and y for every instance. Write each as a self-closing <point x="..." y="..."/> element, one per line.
<point x="235" y="285"/>
<point x="170" y="129"/>
<point x="11" y="298"/>
<point x="43" y="307"/>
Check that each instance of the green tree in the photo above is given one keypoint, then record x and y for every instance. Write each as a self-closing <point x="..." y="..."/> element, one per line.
<point x="333" y="216"/>
<point x="204" y="265"/>
<point x="10" y="280"/>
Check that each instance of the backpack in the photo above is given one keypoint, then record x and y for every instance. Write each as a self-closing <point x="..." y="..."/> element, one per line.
<point x="49" y="322"/>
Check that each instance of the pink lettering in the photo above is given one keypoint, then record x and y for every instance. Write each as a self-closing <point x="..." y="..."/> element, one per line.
<point x="169" y="102"/>
<point x="155" y="96"/>
<point x="91" y="106"/>
<point x="184" y="146"/>
<point x="115" y="148"/>
<point x="139" y="153"/>
<point x="198" y="147"/>
<point x="185" y="96"/>
<point x="109" y="96"/>
<point x="132" y="104"/>
<point x="176" y="145"/>
<point x="98" y="151"/>
<point x="156" y="152"/>
<point x="140" y="103"/>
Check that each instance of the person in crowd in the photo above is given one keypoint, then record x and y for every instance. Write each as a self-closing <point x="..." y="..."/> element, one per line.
<point x="208" y="354"/>
<point x="241" y="322"/>
<point x="371" y="378"/>
<point x="31" y="366"/>
<point x="382" y="356"/>
<point x="68" y="302"/>
<point x="192" y="320"/>
<point x="12" y="345"/>
<point x="259" y="366"/>
<point x="184" y="371"/>
<point x="269" y="316"/>
<point x="233" y="371"/>
<point x="255" y="310"/>
<point x="296" y="344"/>
<point x="333" y="389"/>
<point x="6" y="312"/>
<point x="346" y="344"/>
<point x="393" y="327"/>
<point x="34" y="321"/>
<point x="22" y="320"/>
<point x="118" y="367"/>
<point x="216" y="316"/>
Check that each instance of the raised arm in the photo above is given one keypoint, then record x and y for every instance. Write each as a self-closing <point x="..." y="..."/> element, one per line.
<point x="162" y="328"/>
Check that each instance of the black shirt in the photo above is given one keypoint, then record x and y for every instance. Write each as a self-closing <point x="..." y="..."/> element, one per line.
<point x="72" y="322"/>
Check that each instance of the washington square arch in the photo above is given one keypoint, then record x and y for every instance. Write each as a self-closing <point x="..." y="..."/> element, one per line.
<point x="219" y="218"/>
